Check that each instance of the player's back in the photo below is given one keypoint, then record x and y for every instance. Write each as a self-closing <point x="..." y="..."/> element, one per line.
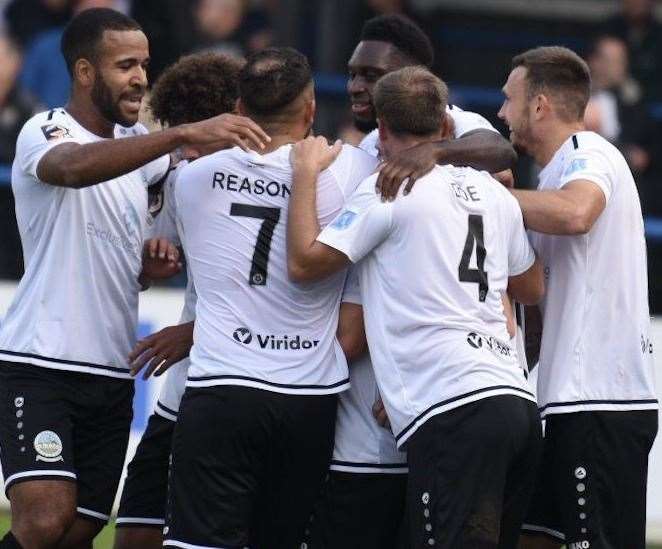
<point x="253" y="326"/>
<point x="456" y="227"/>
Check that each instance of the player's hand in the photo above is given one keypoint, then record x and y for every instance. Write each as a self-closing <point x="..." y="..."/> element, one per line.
<point x="225" y="131"/>
<point x="379" y="412"/>
<point x="161" y="350"/>
<point x="506" y="178"/>
<point x="314" y="154"/>
<point x="160" y="259"/>
<point x="410" y="164"/>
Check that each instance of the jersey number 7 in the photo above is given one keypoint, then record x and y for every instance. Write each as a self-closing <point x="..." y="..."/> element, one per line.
<point x="477" y="276"/>
<point x="270" y="217"/>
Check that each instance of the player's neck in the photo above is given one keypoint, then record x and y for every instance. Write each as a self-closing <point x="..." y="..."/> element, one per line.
<point x="280" y="136"/>
<point x="554" y="138"/>
<point x="85" y="112"/>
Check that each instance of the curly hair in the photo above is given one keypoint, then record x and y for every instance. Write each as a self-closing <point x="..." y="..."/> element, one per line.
<point x="403" y="33"/>
<point x="195" y="88"/>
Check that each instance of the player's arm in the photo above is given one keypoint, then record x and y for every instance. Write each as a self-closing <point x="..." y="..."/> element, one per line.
<point x="78" y="165"/>
<point x="571" y="210"/>
<point x="351" y="331"/>
<point x="528" y="287"/>
<point x="482" y="149"/>
<point x="307" y="258"/>
<point x="160" y="260"/>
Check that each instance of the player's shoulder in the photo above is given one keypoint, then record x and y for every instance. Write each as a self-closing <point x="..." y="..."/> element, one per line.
<point x="49" y="125"/>
<point x="589" y="143"/>
<point x="585" y="149"/>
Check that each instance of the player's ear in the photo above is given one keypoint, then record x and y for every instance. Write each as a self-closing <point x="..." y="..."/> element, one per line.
<point x="542" y="106"/>
<point x="311" y="107"/>
<point x="84" y="73"/>
<point x="447" y="127"/>
<point x="383" y="130"/>
<point x="241" y="108"/>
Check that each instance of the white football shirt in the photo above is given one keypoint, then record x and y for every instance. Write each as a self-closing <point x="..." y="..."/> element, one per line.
<point x="596" y="351"/>
<point x="76" y="306"/>
<point x="434" y="266"/>
<point x="253" y="326"/>
<point x="164" y="224"/>
<point x="361" y="444"/>
<point x="463" y="123"/>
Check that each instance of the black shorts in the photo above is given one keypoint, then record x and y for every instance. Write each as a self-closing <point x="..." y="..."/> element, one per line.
<point x="247" y="467"/>
<point x="471" y="474"/>
<point x="62" y="425"/>
<point x="359" y="511"/>
<point x="145" y="489"/>
<point x="592" y="481"/>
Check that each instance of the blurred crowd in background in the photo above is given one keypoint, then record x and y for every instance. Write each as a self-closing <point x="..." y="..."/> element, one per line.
<point x="473" y="50"/>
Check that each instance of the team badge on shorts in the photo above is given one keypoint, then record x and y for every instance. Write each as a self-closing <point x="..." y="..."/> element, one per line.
<point x="54" y="131"/>
<point x="48" y="446"/>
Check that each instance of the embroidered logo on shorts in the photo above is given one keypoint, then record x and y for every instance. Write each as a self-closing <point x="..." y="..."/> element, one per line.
<point x="19" y="401"/>
<point x="425" y="498"/>
<point x="48" y="446"/>
<point x="580" y="545"/>
<point x="580" y="473"/>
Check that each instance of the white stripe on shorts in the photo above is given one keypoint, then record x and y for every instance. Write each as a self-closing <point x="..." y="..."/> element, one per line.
<point x="40" y="473"/>
<point x="93" y="514"/>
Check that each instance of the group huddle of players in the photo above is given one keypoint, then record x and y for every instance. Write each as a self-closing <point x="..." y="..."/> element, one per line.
<point x="348" y="370"/>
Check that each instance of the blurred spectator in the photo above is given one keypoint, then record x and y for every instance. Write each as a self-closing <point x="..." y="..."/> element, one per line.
<point x="218" y="23"/>
<point x="170" y="28"/>
<point x="636" y="25"/>
<point x="27" y="18"/>
<point x="44" y="71"/>
<point x="616" y="111"/>
<point x="16" y="107"/>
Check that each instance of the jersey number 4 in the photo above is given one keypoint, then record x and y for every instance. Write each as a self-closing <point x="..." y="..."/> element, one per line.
<point x="270" y="217"/>
<point x="474" y="238"/>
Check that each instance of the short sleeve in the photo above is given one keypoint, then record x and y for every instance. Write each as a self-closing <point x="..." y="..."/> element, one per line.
<point x="466" y="121"/>
<point x="588" y="165"/>
<point x="520" y="252"/>
<point x="154" y="171"/>
<point x="38" y="136"/>
<point x="352" y="291"/>
<point x="362" y="225"/>
<point x="163" y="211"/>
<point x="352" y="166"/>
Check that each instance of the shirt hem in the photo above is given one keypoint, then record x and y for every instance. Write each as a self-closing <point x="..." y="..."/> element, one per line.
<point x="269" y="386"/>
<point x="456" y="402"/>
<point x="65" y="365"/>
<point x="554" y="408"/>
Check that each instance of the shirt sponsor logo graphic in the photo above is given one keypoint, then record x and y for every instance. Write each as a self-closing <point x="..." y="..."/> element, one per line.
<point x="274" y="342"/>
<point x="243" y="335"/>
<point x="19" y="401"/>
<point x="344" y="220"/>
<point x="580" y="545"/>
<point x="499" y="347"/>
<point x="48" y="446"/>
<point x="55" y="131"/>
<point x="580" y="473"/>
<point x="577" y="165"/>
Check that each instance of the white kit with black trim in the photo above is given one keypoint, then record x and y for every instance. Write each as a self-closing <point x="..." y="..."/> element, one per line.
<point x="432" y="268"/>
<point x="596" y="351"/>
<point x="76" y="307"/>
<point x="254" y="327"/>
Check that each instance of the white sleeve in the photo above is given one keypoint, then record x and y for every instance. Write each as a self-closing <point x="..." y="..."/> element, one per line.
<point x="352" y="291"/>
<point x="154" y="171"/>
<point x="466" y="121"/>
<point x="364" y="223"/>
<point x="163" y="212"/>
<point x="589" y="165"/>
<point x="352" y="166"/>
<point x="39" y="136"/>
<point x="520" y="252"/>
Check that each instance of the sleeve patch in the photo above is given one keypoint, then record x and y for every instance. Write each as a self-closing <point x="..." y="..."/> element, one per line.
<point x="55" y="131"/>
<point x="577" y="165"/>
<point x="344" y="220"/>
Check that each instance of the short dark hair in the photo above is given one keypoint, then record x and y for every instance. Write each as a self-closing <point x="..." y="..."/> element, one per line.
<point x="402" y="33"/>
<point x="560" y="73"/>
<point x="82" y="35"/>
<point x="272" y="78"/>
<point x="195" y="88"/>
<point x="411" y="101"/>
